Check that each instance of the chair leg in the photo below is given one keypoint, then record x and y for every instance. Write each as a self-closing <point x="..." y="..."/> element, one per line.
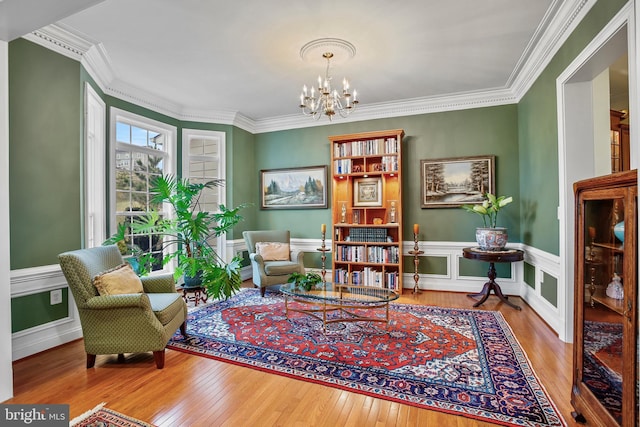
<point x="262" y="291"/>
<point x="183" y="328"/>
<point x="159" y="358"/>
<point x="91" y="360"/>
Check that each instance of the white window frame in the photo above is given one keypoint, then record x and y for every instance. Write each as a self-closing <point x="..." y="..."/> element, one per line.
<point x="171" y="132"/>
<point x="95" y="177"/>
<point x="219" y="157"/>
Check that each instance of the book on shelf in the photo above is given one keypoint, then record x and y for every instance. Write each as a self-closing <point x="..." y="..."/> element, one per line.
<point x="369" y="147"/>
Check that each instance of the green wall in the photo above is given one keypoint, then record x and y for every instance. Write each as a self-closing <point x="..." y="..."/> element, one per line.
<point x="538" y="136"/>
<point x="44" y="154"/>
<point x="481" y="131"/>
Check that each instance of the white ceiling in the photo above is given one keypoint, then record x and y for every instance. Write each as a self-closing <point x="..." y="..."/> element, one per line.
<point x="244" y="57"/>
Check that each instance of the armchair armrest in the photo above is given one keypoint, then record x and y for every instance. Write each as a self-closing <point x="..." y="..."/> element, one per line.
<point x="161" y="283"/>
<point x="257" y="259"/>
<point x="111" y="302"/>
<point x="297" y="256"/>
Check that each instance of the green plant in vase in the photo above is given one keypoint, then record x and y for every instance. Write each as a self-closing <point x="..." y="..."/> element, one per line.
<point x="141" y="262"/>
<point x="186" y="231"/>
<point x="305" y="281"/>
<point x="490" y="237"/>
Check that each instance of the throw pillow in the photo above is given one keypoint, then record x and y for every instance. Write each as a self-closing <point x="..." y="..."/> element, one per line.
<point x="273" y="251"/>
<point x="119" y="280"/>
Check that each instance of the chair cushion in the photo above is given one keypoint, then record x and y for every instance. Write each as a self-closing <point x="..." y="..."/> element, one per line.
<point x="273" y="251"/>
<point x="277" y="268"/>
<point x="166" y="306"/>
<point x="119" y="280"/>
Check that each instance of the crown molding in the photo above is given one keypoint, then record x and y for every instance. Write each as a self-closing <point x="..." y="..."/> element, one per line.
<point x="403" y="108"/>
<point x="63" y="40"/>
<point x="560" y="20"/>
<point x="564" y="17"/>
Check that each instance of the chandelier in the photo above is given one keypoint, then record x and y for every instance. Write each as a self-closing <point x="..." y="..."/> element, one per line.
<point x="323" y="99"/>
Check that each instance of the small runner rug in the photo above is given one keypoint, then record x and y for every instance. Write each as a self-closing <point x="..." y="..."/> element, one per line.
<point x="105" y="417"/>
<point x="458" y="361"/>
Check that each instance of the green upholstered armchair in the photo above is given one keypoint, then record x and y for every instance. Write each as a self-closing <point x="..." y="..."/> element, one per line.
<point x="269" y="273"/>
<point x="125" y="323"/>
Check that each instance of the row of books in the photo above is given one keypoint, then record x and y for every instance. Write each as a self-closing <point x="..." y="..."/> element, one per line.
<point x="388" y="164"/>
<point x="367" y="234"/>
<point x="368" y="277"/>
<point x="379" y="254"/>
<point x="366" y="148"/>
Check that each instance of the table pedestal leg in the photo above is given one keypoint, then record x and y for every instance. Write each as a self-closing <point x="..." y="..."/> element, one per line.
<point x="489" y="286"/>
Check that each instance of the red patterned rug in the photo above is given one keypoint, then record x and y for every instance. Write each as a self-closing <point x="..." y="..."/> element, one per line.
<point x="463" y="362"/>
<point x="105" y="417"/>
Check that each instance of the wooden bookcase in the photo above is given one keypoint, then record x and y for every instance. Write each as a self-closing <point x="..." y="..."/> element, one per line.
<point x="367" y="208"/>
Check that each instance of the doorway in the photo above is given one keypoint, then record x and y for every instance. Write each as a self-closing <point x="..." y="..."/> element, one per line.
<point x="579" y="155"/>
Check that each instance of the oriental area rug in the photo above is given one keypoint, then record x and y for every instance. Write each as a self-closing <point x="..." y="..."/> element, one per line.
<point x="458" y="361"/>
<point x="105" y="417"/>
<point x="603" y="364"/>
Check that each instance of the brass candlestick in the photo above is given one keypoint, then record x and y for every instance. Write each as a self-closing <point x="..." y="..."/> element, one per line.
<point x="416" y="260"/>
<point x="323" y="249"/>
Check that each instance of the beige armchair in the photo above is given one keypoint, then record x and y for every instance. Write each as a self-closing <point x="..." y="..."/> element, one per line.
<point x="118" y="323"/>
<point x="272" y="267"/>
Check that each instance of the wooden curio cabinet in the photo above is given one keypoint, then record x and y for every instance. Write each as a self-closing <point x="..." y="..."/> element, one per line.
<point x="605" y="359"/>
<point x="366" y="170"/>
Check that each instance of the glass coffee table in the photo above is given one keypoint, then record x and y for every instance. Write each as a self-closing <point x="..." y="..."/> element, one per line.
<point x="345" y="299"/>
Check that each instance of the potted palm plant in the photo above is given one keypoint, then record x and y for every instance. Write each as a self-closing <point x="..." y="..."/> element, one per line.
<point x="186" y="231"/>
<point x="490" y="237"/>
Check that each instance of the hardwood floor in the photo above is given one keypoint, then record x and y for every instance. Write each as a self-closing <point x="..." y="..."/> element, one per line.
<point x="195" y="391"/>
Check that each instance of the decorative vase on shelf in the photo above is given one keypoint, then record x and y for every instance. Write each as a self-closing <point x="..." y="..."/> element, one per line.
<point x="491" y="239"/>
<point x="618" y="231"/>
<point x="615" y="289"/>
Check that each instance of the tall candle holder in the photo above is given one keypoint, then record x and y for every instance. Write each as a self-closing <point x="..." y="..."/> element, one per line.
<point x="323" y="250"/>
<point x="416" y="252"/>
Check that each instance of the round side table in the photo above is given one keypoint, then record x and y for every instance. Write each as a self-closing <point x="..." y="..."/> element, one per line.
<point x="507" y="255"/>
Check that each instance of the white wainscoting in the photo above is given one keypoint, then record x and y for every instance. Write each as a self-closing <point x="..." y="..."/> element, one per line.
<point x="43" y="279"/>
<point x="36" y="280"/>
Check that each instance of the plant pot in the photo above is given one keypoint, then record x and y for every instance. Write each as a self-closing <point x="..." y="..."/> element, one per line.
<point x="491" y="239"/>
<point x="192" y="282"/>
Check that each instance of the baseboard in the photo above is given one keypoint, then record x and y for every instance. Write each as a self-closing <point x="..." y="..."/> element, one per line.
<point x="36" y="280"/>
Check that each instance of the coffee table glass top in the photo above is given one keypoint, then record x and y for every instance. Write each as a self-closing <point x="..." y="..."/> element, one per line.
<point x="329" y="292"/>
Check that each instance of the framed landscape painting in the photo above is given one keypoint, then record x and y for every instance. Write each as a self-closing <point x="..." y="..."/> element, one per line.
<point x="294" y="188"/>
<point x="457" y="181"/>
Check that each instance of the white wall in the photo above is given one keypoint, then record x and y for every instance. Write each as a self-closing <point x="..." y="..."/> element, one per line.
<point x="601" y="124"/>
<point x="6" y="369"/>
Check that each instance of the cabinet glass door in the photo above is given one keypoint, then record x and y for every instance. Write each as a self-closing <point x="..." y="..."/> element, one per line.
<point x="603" y="305"/>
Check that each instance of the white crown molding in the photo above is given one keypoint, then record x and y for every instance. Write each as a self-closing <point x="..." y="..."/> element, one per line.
<point x="62" y="40"/>
<point x="403" y="108"/>
<point x="560" y="20"/>
<point x="569" y="14"/>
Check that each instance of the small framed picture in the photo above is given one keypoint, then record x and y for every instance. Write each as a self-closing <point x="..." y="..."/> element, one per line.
<point x="367" y="192"/>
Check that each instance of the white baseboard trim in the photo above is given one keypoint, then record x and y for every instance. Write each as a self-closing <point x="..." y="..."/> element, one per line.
<point x="30" y="341"/>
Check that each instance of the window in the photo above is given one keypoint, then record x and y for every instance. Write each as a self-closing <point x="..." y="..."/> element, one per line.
<point x="203" y="157"/>
<point x="142" y="149"/>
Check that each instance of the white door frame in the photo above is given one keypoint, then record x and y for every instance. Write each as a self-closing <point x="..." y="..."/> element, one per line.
<point x="574" y="101"/>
